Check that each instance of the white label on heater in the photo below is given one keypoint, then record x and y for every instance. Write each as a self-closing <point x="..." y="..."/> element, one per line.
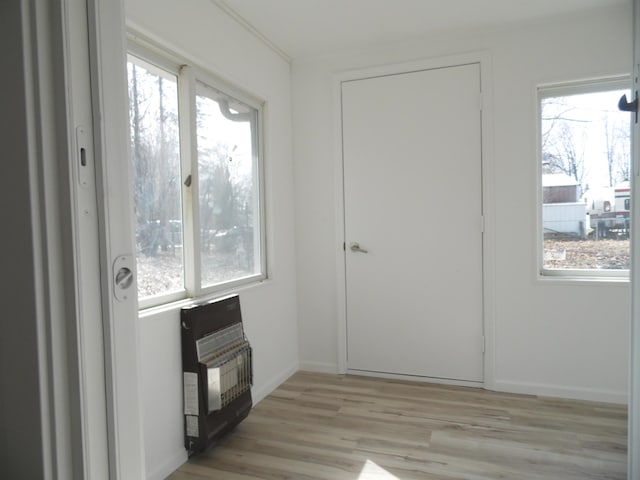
<point x="192" y="426"/>
<point x="190" y="393"/>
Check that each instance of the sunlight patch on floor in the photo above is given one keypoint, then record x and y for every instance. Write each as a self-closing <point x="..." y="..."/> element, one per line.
<point x="372" y="471"/>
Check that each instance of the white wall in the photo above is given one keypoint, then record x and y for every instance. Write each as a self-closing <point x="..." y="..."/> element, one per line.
<point x="199" y="30"/>
<point x="545" y="337"/>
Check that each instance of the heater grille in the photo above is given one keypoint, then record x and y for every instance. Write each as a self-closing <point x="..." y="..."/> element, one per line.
<point x="229" y="369"/>
<point x="217" y="342"/>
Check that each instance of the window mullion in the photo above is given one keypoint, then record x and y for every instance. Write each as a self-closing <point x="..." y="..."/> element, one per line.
<point x="189" y="158"/>
<point x="258" y="187"/>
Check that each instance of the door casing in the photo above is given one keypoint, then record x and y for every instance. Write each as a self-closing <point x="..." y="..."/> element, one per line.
<point x="633" y="451"/>
<point x="107" y="53"/>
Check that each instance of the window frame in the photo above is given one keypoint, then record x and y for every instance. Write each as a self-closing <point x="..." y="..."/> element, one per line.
<point x="617" y="82"/>
<point x="188" y="75"/>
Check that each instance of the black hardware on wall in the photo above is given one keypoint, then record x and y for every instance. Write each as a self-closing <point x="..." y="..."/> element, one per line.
<point x="626" y="106"/>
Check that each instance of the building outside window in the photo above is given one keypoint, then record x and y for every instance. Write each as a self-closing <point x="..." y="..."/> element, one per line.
<point x="585" y="172"/>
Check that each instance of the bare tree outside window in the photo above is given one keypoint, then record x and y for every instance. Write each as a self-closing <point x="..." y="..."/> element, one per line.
<point x="155" y="156"/>
<point x="227" y="193"/>
<point x="585" y="150"/>
<point x="218" y="241"/>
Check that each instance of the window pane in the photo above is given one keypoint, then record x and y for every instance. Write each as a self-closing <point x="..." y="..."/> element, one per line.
<point x="155" y="154"/>
<point x="228" y="188"/>
<point x="585" y="181"/>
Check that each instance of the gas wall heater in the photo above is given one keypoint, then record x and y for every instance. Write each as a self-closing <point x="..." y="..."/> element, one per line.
<point x="217" y="371"/>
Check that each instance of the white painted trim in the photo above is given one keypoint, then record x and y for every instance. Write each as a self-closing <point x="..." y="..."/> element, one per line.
<point x="188" y="161"/>
<point x="592" y="281"/>
<point x="240" y="20"/>
<point x="483" y="58"/>
<point x="121" y="329"/>
<point x="177" y="305"/>
<point x="488" y="210"/>
<point x="633" y="450"/>
<point x="412" y="66"/>
<point x="341" y="287"/>
<point x="169" y="466"/>
<point x="574" y="393"/>
<point x="319" y="367"/>
<point x="86" y="243"/>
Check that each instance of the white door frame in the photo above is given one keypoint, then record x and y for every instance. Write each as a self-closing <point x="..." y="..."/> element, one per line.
<point x="483" y="59"/>
<point x="85" y="243"/>
<point x="113" y="172"/>
<point x="633" y="450"/>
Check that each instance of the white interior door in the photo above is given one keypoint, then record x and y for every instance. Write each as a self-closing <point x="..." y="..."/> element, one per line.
<point x="413" y="203"/>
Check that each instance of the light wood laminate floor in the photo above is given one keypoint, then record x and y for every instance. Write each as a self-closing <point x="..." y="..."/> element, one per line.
<point x="319" y="426"/>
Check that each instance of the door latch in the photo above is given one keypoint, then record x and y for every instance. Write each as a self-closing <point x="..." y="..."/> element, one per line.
<point x="123" y="277"/>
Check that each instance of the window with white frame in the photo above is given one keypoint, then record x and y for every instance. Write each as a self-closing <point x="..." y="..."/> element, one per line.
<point x="584" y="179"/>
<point x="197" y="183"/>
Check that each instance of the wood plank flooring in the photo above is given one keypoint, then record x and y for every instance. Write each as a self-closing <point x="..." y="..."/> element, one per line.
<point x="333" y="427"/>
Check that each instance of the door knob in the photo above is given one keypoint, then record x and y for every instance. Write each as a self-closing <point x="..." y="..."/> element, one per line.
<point x="123" y="277"/>
<point x="355" y="247"/>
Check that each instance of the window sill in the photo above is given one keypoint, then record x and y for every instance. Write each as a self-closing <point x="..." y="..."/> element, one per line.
<point x="582" y="279"/>
<point x="178" y="304"/>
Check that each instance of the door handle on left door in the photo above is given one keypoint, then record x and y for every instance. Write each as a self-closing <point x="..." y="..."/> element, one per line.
<point x="123" y="277"/>
<point x="355" y="247"/>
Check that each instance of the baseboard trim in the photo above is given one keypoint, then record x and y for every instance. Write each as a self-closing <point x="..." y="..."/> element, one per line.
<point x="169" y="466"/>
<point x="415" y="378"/>
<point x="319" y="367"/>
<point x="572" y="393"/>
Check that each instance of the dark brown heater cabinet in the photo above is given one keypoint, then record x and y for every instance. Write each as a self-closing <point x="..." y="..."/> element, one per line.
<point x="217" y="371"/>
